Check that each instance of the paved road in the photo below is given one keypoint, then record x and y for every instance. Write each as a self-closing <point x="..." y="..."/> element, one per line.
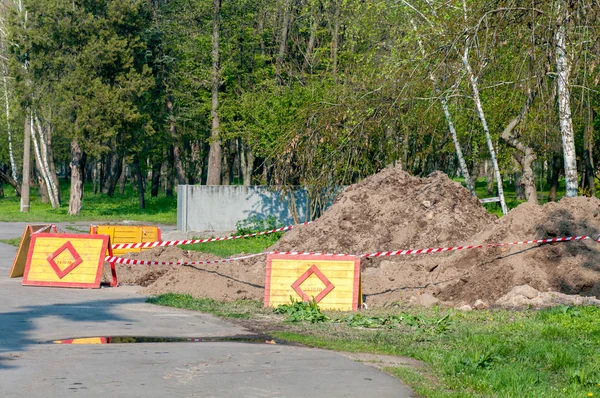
<point x="30" y="316"/>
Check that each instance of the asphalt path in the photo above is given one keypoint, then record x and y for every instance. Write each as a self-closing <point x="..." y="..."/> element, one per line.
<point x="30" y="366"/>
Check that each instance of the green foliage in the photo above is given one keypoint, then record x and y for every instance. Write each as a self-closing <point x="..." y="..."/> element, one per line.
<point x="301" y="311"/>
<point x="420" y="323"/>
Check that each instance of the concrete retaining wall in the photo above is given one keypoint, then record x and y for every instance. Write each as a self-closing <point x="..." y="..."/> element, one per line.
<point x="220" y="207"/>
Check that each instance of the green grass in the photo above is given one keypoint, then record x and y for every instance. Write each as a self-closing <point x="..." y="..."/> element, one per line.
<point x="492" y="353"/>
<point x="256" y="244"/>
<point x="13" y="242"/>
<point x="238" y="309"/>
<point x="95" y="207"/>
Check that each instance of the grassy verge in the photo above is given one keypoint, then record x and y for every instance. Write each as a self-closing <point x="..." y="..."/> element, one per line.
<point x="95" y="207"/>
<point x="492" y="353"/>
<point x="13" y="241"/>
<point x="233" y="247"/>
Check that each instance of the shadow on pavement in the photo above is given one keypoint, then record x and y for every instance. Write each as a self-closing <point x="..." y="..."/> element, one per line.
<point x="17" y="327"/>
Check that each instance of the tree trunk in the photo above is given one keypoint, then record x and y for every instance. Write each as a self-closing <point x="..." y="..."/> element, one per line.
<point x="25" y="199"/>
<point x="176" y="148"/>
<point x="563" y="66"/>
<point x="335" y="36"/>
<point x="527" y="179"/>
<point x="169" y="180"/>
<point x="13" y="164"/>
<point x="283" y="36"/>
<point x="488" y="138"/>
<point x="140" y="182"/>
<point x="554" y="177"/>
<point x="247" y="163"/>
<point x="215" y="153"/>
<point x="124" y="175"/>
<point x="316" y="20"/>
<point x="77" y="170"/>
<point x="41" y="157"/>
<point x="588" y="145"/>
<point x="444" y="101"/>
<point x="10" y="181"/>
<point x="114" y="168"/>
<point x="156" y="166"/>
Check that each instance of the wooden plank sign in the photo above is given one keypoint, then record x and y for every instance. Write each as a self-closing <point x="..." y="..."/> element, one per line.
<point x="333" y="282"/>
<point x="128" y="234"/>
<point x="18" y="267"/>
<point x="66" y="260"/>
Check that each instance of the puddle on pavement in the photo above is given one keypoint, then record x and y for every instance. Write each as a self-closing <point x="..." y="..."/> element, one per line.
<point x="148" y="339"/>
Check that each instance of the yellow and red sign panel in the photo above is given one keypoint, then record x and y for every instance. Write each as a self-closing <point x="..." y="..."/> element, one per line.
<point x="18" y="267"/>
<point x="333" y="281"/>
<point x="65" y="260"/>
<point x="128" y="234"/>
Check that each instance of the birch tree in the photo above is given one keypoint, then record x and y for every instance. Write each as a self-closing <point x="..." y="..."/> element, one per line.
<point x="563" y="69"/>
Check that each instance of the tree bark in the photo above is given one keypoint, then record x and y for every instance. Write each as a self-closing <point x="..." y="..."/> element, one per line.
<point x="41" y="157"/>
<point x="140" y="182"/>
<point x="444" y="102"/>
<point x="77" y="169"/>
<point x="527" y="179"/>
<point x="156" y="166"/>
<point x="25" y="198"/>
<point x="563" y="66"/>
<point x="215" y="153"/>
<point x="10" y="181"/>
<point x="13" y="164"/>
<point x="283" y="36"/>
<point x="486" y="130"/>
<point x="554" y="176"/>
<point x="114" y="168"/>
<point x="181" y="179"/>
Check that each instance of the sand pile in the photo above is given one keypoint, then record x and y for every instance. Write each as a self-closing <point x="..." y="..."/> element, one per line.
<point x="393" y="210"/>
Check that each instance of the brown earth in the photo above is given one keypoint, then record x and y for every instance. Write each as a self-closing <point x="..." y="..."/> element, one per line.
<point x="392" y="210"/>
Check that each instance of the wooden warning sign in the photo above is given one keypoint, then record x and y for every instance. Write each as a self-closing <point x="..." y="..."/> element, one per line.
<point x="333" y="282"/>
<point x="65" y="260"/>
<point x="18" y="267"/>
<point x="128" y="234"/>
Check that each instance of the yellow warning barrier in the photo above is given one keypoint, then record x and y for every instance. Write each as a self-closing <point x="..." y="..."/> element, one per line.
<point x="66" y="260"/>
<point x="333" y="282"/>
<point x="18" y="267"/>
<point x="127" y="234"/>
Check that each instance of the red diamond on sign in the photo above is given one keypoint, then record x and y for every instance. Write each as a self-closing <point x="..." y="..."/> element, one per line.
<point x="313" y="270"/>
<point x="71" y="263"/>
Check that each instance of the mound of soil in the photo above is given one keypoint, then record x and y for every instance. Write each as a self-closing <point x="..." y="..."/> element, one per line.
<point x="393" y="210"/>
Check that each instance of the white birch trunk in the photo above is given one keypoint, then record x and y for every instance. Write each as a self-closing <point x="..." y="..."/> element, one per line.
<point x="563" y="67"/>
<point x="13" y="164"/>
<point x="53" y="189"/>
<point x="42" y="167"/>
<point x="486" y="130"/>
<point x="444" y="101"/>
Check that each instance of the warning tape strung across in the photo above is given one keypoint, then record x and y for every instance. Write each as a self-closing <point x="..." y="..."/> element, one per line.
<point x="120" y="260"/>
<point x="455" y="248"/>
<point x="146" y="245"/>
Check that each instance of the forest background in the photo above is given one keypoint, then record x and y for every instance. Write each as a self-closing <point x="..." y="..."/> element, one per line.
<point x="318" y="93"/>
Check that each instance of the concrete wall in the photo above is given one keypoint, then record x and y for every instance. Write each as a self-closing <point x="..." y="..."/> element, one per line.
<point x="220" y="207"/>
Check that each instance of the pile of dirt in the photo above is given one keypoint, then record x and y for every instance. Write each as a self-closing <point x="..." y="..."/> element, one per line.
<point x="221" y="281"/>
<point x="393" y="210"/>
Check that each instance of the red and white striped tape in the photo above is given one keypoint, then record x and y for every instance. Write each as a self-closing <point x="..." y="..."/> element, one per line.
<point x="120" y="260"/>
<point x="147" y="245"/>
<point x="455" y="248"/>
